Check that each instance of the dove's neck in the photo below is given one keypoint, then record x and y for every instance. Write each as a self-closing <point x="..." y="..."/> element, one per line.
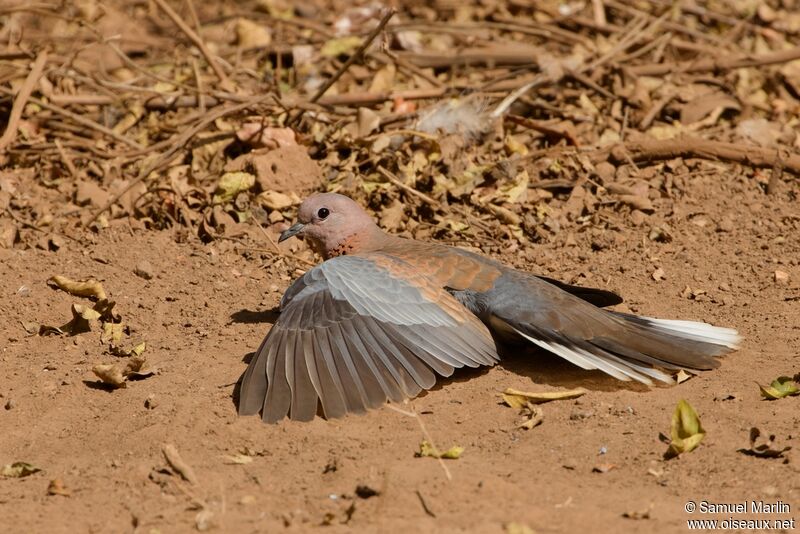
<point x="365" y="239"/>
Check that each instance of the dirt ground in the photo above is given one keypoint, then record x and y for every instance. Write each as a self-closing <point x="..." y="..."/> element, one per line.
<point x="161" y="201"/>
<point x="205" y="311"/>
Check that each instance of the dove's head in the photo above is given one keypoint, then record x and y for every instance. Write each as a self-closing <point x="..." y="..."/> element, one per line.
<point x="333" y="225"/>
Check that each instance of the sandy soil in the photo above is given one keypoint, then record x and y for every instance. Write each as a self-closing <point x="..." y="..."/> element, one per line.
<point x="208" y="306"/>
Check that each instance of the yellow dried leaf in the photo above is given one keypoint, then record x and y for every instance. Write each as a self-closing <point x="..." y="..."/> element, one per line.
<point x="231" y="184"/>
<point x="428" y="450"/>
<point x="250" y="34"/>
<point x="519" y="399"/>
<point x="686" y="431"/>
<point x="18" y="470"/>
<point x="110" y="375"/>
<point x="341" y="46"/>
<point x="87" y="288"/>
<point x="781" y="387"/>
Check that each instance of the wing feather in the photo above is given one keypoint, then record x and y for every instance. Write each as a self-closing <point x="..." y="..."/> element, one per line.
<point x="355" y="332"/>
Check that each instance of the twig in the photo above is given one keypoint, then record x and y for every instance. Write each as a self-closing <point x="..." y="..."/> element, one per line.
<point x="424" y="504"/>
<point x="354" y="56"/>
<point x="65" y="158"/>
<point x="196" y="39"/>
<point x="498" y="55"/>
<point x="408" y="189"/>
<point x="544" y="128"/>
<point x="79" y="119"/>
<point x="425" y="433"/>
<point x="718" y="64"/>
<point x="599" y="11"/>
<point x="695" y="147"/>
<point x="22" y="98"/>
<point x="368" y="99"/>
<point x="350" y="60"/>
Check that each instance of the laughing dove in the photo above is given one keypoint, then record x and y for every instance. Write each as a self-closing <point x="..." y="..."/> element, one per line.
<point x="383" y="315"/>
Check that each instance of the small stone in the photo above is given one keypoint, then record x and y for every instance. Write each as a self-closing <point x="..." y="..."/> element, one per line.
<point x="638" y="217"/>
<point x="659" y="274"/>
<point x="10" y="404"/>
<point x="144" y="270"/>
<point x="781" y="277"/>
<point x="579" y="415"/>
<point x="725" y="225"/>
<point x="247" y="499"/>
<point x="275" y="216"/>
<point x="151" y="402"/>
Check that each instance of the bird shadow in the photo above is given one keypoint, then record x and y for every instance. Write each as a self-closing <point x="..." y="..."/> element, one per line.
<point x="255" y="317"/>
<point x="545" y="368"/>
<point x="540" y="366"/>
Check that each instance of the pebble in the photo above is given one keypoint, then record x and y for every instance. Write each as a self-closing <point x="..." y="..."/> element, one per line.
<point x="10" y="404"/>
<point x="151" y="402"/>
<point x="781" y="277"/>
<point x="725" y="225"/>
<point x="144" y="270"/>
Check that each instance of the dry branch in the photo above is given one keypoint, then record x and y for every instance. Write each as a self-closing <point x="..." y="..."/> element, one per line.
<point x="696" y="147"/>
<point x="196" y="39"/>
<point x="717" y="64"/>
<point x="21" y="99"/>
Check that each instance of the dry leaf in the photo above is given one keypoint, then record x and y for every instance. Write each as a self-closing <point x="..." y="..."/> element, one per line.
<point x="112" y="333"/>
<point x="428" y="450"/>
<point x="56" y="487"/>
<point x="534" y="416"/>
<point x="258" y="135"/>
<point x="137" y="366"/>
<point x="87" y="288"/>
<point x="603" y="468"/>
<point x="273" y="200"/>
<point x="18" y="470"/>
<point x="518" y="399"/>
<point x="341" y="46"/>
<point x="781" y="387"/>
<point x="231" y="184"/>
<point x="250" y="34"/>
<point x="686" y="431"/>
<point x="178" y="464"/>
<point x="682" y="376"/>
<point x="238" y="459"/>
<point x="110" y="375"/>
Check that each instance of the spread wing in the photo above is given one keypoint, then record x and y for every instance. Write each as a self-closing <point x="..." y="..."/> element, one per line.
<point x="355" y="332"/>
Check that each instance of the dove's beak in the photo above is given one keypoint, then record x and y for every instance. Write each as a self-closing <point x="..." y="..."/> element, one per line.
<point x="291" y="232"/>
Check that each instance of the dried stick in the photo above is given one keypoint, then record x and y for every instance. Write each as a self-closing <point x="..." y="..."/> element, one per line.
<point x="79" y="119"/>
<point x="196" y="39"/>
<point x="354" y="56"/>
<point x="717" y="64"/>
<point x="396" y="181"/>
<point x="413" y="413"/>
<point x="21" y="99"/>
<point x="695" y="147"/>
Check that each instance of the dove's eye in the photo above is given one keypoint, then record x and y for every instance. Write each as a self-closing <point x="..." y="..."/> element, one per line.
<point x="323" y="213"/>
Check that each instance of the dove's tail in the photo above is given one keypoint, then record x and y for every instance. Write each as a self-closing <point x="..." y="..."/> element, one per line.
<point x="638" y="348"/>
<point x="644" y="348"/>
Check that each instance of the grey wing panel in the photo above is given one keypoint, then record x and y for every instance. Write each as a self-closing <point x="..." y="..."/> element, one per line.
<point x="352" y="343"/>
